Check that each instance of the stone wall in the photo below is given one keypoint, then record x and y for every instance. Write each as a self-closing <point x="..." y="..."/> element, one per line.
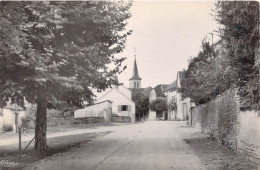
<point x="67" y="121"/>
<point x="121" y="119"/>
<point x="219" y="118"/>
<point x="222" y="119"/>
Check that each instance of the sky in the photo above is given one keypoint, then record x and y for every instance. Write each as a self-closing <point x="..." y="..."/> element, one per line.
<point x="165" y="35"/>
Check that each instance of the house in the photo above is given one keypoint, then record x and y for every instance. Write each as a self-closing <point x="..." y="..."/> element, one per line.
<point x="179" y="108"/>
<point x="171" y="97"/>
<point x="157" y="93"/>
<point x="122" y="105"/>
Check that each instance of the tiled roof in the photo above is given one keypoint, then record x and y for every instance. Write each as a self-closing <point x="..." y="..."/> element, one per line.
<point x="172" y="86"/>
<point x="159" y="90"/>
<point x="144" y="91"/>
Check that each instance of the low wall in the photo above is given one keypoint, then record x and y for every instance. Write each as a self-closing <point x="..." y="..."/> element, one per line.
<point x="102" y="109"/>
<point x="67" y="121"/>
<point x="220" y="118"/>
<point x="121" y="119"/>
<point x="223" y="120"/>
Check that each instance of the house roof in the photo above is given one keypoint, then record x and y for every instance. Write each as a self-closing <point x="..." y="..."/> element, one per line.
<point x="144" y="91"/>
<point x="135" y="75"/>
<point x="159" y="90"/>
<point x="115" y="89"/>
<point x="172" y="86"/>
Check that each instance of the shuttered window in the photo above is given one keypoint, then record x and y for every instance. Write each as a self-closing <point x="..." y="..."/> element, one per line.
<point x="124" y="108"/>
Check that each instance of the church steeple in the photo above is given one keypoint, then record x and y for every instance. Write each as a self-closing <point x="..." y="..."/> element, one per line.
<point x="135" y="75"/>
<point x="135" y="80"/>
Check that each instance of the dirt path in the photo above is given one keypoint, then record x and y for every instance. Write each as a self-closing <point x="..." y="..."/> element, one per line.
<point x="150" y="145"/>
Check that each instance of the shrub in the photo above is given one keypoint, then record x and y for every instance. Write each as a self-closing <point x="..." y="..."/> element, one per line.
<point x="8" y="127"/>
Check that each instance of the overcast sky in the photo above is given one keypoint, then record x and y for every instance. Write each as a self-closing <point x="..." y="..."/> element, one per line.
<point x="165" y="35"/>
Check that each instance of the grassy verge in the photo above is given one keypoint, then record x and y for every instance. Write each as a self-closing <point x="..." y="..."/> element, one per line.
<point x="217" y="157"/>
<point x="56" y="145"/>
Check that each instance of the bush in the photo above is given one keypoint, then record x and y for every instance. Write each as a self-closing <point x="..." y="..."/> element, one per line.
<point x="8" y="127"/>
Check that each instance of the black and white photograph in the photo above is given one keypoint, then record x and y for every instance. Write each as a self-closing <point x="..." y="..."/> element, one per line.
<point x="130" y="85"/>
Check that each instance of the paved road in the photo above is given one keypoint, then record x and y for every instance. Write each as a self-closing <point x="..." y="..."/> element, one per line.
<point x="147" y="146"/>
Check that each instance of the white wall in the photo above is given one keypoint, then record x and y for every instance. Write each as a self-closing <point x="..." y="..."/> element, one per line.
<point x="152" y="115"/>
<point x="170" y="95"/>
<point x="249" y="133"/>
<point x="180" y="115"/>
<point x="9" y="117"/>
<point x="119" y="98"/>
<point x="97" y="110"/>
<point x="1" y="123"/>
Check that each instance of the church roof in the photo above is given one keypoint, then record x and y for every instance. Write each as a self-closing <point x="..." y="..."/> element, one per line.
<point x="135" y="75"/>
<point x="144" y="91"/>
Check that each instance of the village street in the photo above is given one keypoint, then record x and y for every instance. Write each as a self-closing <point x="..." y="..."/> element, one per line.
<point x="150" y="145"/>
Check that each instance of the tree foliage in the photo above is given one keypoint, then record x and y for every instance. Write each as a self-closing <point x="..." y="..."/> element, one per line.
<point x="232" y="61"/>
<point x="159" y="106"/>
<point x="204" y="78"/>
<point x="239" y="20"/>
<point x="141" y="105"/>
<point x="55" y="53"/>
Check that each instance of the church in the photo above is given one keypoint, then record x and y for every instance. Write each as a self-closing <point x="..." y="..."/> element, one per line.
<point x="135" y="85"/>
<point x="121" y="96"/>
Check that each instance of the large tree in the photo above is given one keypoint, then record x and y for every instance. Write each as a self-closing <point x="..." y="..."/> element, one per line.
<point x="159" y="106"/>
<point x="202" y="78"/>
<point x="53" y="53"/>
<point x="141" y="105"/>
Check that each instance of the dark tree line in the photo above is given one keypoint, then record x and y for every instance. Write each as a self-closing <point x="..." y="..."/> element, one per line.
<point x="232" y="62"/>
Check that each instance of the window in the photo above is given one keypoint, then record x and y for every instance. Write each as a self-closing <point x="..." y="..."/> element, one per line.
<point x="124" y="108"/>
<point x="137" y="85"/>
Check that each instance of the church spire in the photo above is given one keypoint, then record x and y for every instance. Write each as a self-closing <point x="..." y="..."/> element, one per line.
<point x="135" y="75"/>
<point x="135" y="80"/>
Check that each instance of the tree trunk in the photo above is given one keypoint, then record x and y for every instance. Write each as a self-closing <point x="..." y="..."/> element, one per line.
<point x="41" y="122"/>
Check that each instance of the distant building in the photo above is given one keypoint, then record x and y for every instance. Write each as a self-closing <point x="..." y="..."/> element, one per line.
<point x="122" y="105"/>
<point x="157" y="93"/>
<point x="179" y="108"/>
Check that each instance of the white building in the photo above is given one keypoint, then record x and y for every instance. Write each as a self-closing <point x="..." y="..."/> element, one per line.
<point x="122" y="105"/>
<point x="181" y="107"/>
